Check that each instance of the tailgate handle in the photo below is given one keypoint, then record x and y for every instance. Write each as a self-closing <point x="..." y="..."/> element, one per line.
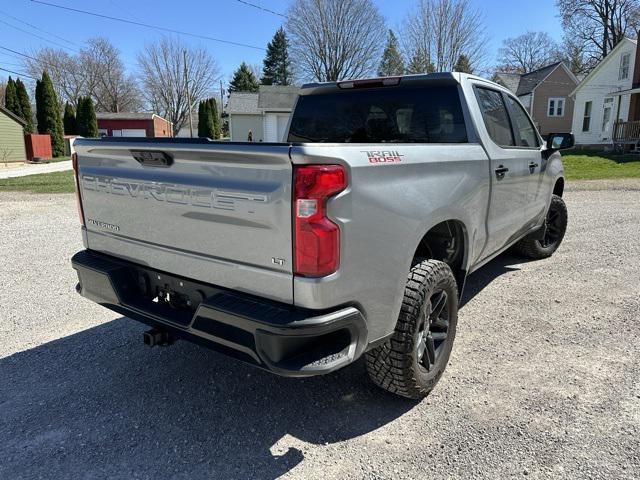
<point x="152" y="158"/>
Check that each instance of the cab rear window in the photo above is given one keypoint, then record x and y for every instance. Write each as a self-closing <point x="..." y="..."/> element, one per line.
<point x="380" y="115"/>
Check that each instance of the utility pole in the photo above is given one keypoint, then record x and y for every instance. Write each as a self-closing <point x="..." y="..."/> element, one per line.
<point x="221" y="107"/>
<point x="186" y="83"/>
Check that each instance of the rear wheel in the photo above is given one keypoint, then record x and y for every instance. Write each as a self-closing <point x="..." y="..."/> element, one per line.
<point x="412" y="361"/>
<point x="542" y="243"/>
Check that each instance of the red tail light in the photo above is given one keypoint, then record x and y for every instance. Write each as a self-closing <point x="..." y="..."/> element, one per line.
<point x="74" y="162"/>
<point x="316" y="242"/>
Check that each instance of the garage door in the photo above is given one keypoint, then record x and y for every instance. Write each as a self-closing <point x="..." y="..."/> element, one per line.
<point x="134" y="132"/>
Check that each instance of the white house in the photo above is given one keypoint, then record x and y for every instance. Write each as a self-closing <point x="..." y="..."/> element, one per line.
<point x="265" y="114"/>
<point x="604" y="97"/>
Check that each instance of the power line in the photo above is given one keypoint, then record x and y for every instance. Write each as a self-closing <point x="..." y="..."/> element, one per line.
<point x="261" y="8"/>
<point x="38" y="28"/>
<point x="18" y="73"/>
<point x="38" y="36"/>
<point x="146" y="25"/>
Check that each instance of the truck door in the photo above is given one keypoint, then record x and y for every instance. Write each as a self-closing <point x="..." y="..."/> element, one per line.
<point x="528" y="143"/>
<point x="509" y="171"/>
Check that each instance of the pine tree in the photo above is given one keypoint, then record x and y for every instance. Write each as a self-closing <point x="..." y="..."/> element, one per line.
<point x="277" y="63"/>
<point x="463" y="65"/>
<point x="392" y="62"/>
<point x="25" y="106"/>
<point x="420" y="63"/>
<point x="86" y="122"/>
<point x="213" y="107"/>
<point x="205" y="120"/>
<point x="48" y="114"/>
<point x="11" y="98"/>
<point x="69" y="120"/>
<point x="243" y="80"/>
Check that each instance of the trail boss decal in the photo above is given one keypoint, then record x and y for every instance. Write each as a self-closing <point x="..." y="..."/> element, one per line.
<point x="383" y="156"/>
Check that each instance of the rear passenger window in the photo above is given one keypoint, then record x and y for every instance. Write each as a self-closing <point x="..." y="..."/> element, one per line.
<point x="495" y="115"/>
<point x="525" y="130"/>
<point x="426" y="114"/>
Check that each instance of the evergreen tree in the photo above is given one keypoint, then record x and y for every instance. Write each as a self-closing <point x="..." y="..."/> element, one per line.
<point x="463" y="65"/>
<point x="25" y="105"/>
<point x="213" y="107"/>
<point x="48" y="114"/>
<point x="243" y="80"/>
<point x="11" y="98"/>
<point x="277" y="63"/>
<point x="205" y="120"/>
<point x="69" y="120"/>
<point x="86" y="122"/>
<point x="392" y="62"/>
<point x="420" y="63"/>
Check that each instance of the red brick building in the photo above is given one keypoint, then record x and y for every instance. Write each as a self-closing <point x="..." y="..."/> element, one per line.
<point x="133" y="125"/>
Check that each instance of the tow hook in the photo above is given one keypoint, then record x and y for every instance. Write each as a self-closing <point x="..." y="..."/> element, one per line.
<point x="155" y="337"/>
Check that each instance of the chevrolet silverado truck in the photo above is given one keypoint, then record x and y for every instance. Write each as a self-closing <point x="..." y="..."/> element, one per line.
<point x="352" y="238"/>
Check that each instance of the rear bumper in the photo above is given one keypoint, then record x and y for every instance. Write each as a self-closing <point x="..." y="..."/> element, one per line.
<point x="281" y="338"/>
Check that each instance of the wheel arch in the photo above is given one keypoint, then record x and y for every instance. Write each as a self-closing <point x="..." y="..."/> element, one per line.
<point x="447" y="241"/>
<point x="558" y="187"/>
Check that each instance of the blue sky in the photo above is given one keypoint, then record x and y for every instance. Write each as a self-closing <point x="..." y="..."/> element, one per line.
<point x="226" y="19"/>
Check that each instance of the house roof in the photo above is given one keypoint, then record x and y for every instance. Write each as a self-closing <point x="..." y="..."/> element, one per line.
<point x="274" y="97"/>
<point x="585" y="80"/>
<point x="268" y="98"/>
<point x="529" y="81"/>
<point x="127" y="116"/>
<point x="243" y="102"/>
<point x="12" y="116"/>
<point x="508" y="80"/>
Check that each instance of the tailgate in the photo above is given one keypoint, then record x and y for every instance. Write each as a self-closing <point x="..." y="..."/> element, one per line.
<point x="218" y="213"/>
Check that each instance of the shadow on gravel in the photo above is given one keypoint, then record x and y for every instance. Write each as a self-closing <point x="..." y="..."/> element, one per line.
<point x="99" y="404"/>
<point x="478" y="280"/>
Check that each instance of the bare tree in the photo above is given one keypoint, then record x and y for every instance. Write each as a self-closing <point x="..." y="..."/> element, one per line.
<point x="162" y="70"/>
<point x="442" y="31"/>
<point x="66" y="72"/>
<point x="527" y="52"/>
<point x="3" y="88"/>
<point x="335" y="39"/>
<point x="106" y="80"/>
<point x="599" y="25"/>
<point x="97" y="71"/>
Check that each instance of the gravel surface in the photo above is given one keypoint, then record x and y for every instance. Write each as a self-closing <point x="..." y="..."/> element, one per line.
<point x="544" y="380"/>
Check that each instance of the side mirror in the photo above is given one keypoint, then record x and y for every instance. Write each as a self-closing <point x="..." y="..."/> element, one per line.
<point x="560" y="141"/>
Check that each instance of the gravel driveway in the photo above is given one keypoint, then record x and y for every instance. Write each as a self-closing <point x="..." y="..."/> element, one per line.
<point x="544" y="379"/>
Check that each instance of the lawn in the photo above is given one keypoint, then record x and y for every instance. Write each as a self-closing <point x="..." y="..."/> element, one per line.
<point x="56" y="182"/>
<point x="591" y="165"/>
<point x="578" y="165"/>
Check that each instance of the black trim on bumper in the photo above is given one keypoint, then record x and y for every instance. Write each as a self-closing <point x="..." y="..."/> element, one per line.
<point x="284" y="339"/>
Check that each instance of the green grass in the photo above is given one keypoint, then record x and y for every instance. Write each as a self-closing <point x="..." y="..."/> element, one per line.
<point x="578" y="165"/>
<point x="592" y="165"/>
<point x="56" y="182"/>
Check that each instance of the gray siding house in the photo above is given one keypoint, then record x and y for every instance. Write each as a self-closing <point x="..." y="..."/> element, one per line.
<point x="265" y="114"/>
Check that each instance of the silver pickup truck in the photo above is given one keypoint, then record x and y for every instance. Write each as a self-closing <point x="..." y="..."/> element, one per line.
<point x="353" y="237"/>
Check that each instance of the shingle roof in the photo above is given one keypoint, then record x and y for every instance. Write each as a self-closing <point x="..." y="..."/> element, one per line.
<point x="531" y="80"/>
<point x="268" y="97"/>
<point x="277" y="97"/>
<point x="125" y="116"/>
<point x="243" y="102"/>
<point x="12" y="116"/>
<point x="509" y="80"/>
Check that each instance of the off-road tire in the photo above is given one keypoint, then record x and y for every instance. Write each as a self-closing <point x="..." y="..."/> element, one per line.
<point x="395" y="365"/>
<point x="536" y="245"/>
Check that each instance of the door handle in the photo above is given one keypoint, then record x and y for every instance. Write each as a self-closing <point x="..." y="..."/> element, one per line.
<point x="532" y="166"/>
<point x="500" y="171"/>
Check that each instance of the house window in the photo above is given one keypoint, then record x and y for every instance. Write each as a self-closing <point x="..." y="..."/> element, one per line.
<point x="624" y="66"/>
<point x="586" y="120"/>
<point x="555" y="107"/>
